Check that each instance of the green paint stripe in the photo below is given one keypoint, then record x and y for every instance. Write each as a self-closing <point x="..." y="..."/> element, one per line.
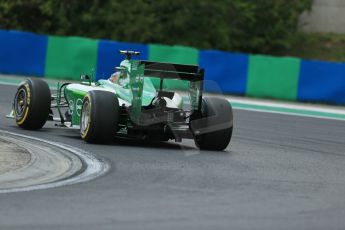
<point x="300" y="112"/>
<point x="17" y="81"/>
<point x="10" y="81"/>
<point x="173" y="54"/>
<point x="277" y="109"/>
<point x="273" y="77"/>
<point x="69" y="57"/>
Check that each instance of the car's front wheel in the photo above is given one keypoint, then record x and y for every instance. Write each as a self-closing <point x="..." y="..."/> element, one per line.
<point x="32" y="104"/>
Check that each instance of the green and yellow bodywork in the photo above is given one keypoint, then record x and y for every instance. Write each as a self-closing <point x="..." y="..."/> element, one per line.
<point x="138" y="93"/>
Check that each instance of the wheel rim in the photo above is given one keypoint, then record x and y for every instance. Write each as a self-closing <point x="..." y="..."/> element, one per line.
<point x="85" y="117"/>
<point x="20" y="102"/>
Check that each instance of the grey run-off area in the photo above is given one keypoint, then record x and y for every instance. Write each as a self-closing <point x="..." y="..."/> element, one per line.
<point x="12" y="157"/>
<point x="280" y="172"/>
<point x="46" y="163"/>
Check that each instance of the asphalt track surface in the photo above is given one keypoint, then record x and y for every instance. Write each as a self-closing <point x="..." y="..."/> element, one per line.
<point x="280" y="172"/>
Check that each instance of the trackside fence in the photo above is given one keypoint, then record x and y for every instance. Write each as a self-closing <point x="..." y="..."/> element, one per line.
<point x="287" y="78"/>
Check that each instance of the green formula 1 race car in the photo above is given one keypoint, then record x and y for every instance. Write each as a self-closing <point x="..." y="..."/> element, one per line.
<point x="129" y="104"/>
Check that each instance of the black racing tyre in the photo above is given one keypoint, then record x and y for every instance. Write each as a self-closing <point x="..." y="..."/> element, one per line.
<point x="99" y="117"/>
<point x="219" y="139"/>
<point x="31" y="105"/>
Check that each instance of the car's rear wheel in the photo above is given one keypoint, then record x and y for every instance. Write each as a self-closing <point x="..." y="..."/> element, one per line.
<point x="220" y="139"/>
<point x="99" y="117"/>
<point x="31" y="105"/>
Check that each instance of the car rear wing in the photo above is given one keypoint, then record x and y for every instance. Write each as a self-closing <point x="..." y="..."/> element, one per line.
<point x="191" y="73"/>
<point x="173" y="71"/>
<point x="140" y="69"/>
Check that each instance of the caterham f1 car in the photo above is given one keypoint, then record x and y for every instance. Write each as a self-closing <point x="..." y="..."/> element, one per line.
<point x="130" y="105"/>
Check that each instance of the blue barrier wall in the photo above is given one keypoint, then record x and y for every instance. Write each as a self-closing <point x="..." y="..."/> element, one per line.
<point x="25" y="53"/>
<point x="227" y="70"/>
<point x="322" y="82"/>
<point x="109" y="57"/>
<point x="22" y="53"/>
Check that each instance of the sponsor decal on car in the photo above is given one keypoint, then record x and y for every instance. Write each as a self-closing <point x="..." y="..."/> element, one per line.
<point x="78" y="106"/>
<point x="71" y="106"/>
<point x="75" y="106"/>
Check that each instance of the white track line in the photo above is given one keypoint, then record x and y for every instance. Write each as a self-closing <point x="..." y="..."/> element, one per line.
<point x="292" y="105"/>
<point x="94" y="167"/>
